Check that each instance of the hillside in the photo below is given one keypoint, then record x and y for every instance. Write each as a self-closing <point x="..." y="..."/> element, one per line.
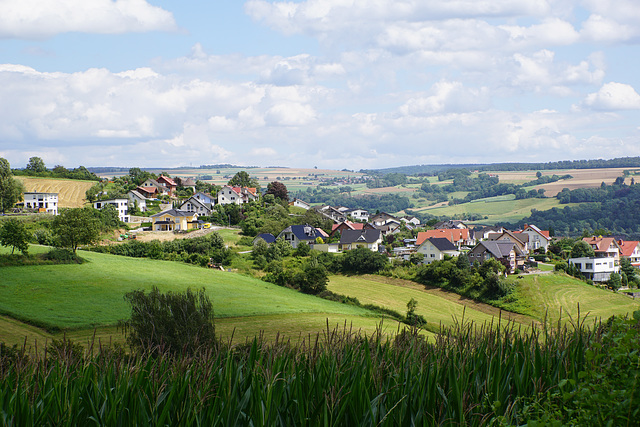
<point x="70" y="191"/>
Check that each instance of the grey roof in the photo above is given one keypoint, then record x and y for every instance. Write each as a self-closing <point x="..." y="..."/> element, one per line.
<point x="172" y="212"/>
<point x="353" y="236"/>
<point x="442" y="244"/>
<point x="499" y="248"/>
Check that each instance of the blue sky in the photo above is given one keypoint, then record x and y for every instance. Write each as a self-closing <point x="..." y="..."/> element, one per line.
<point x="328" y="83"/>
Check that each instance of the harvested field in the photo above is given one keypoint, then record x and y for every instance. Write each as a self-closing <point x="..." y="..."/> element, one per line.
<point x="70" y="191"/>
<point x="582" y="178"/>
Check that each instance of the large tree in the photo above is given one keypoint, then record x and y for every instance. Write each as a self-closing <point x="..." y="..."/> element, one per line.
<point x="279" y="190"/>
<point x="75" y="227"/>
<point x="10" y="189"/>
<point x="36" y="164"/>
<point x="13" y="233"/>
<point x="242" y="179"/>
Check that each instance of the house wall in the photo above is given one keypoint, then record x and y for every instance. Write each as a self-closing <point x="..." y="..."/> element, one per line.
<point x="597" y="269"/>
<point x="46" y="202"/>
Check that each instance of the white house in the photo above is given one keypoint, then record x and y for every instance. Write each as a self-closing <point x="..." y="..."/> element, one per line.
<point x="300" y="204"/>
<point x="121" y="205"/>
<point x="359" y="214"/>
<point x="236" y="195"/>
<point x="201" y="203"/>
<point x="538" y="239"/>
<point x="136" y="197"/>
<point x="43" y="202"/>
<point x="435" y="248"/>
<point x="606" y="259"/>
<point x="295" y="234"/>
<point x="352" y="239"/>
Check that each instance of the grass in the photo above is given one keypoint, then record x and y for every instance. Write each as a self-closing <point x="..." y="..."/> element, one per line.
<point x="556" y="295"/>
<point x="436" y="305"/>
<point x="501" y="208"/>
<point x="91" y="294"/>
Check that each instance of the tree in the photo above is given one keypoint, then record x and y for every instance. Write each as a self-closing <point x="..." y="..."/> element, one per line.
<point x="538" y="174"/>
<point x="36" y="164"/>
<point x="582" y="249"/>
<point x="313" y="279"/>
<point x="364" y="261"/>
<point x="242" y="179"/>
<point x="173" y="322"/>
<point x="10" y="189"/>
<point x="279" y="190"/>
<point x="13" y="233"/>
<point x="75" y="227"/>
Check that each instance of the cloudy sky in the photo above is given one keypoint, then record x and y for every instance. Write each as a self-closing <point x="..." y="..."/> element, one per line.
<point x="328" y="83"/>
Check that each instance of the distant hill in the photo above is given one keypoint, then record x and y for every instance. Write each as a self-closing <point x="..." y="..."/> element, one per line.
<point x="620" y="162"/>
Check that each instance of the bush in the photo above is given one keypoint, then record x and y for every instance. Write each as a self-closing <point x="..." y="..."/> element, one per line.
<point x="62" y="256"/>
<point x="178" y="323"/>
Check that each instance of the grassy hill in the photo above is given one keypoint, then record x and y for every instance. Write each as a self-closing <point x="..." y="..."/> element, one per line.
<point x="81" y="297"/>
<point x="70" y="191"/>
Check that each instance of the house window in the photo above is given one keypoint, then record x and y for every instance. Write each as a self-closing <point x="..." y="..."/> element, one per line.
<point x="588" y="266"/>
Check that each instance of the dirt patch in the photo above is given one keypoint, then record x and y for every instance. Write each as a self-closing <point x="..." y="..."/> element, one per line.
<point x="165" y="236"/>
<point x="458" y="299"/>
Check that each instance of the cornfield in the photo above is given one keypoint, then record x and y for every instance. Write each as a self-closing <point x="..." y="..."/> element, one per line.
<point x="470" y="375"/>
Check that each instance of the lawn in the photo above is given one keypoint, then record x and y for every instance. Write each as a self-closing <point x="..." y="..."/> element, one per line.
<point x="436" y="305"/>
<point x="556" y="294"/>
<point x="91" y="294"/>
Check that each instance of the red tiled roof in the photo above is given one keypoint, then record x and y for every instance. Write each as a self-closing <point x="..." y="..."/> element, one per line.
<point x="451" y="234"/>
<point x="168" y="180"/>
<point x="601" y="243"/>
<point x="628" y="247"/>
<point x="149" y="189"/>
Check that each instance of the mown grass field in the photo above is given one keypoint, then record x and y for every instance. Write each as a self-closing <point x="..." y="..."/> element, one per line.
<point x="556" y="295"/>
<point x="70" y="191"/>
<point x="437" y="306"/>
<point x="81" y="297"/>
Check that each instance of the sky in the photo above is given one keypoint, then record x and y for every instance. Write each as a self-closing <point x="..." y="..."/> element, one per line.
<point x="352" y="84"/>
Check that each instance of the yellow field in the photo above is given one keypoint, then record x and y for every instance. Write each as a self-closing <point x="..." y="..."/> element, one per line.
<point x="70" y="191"/>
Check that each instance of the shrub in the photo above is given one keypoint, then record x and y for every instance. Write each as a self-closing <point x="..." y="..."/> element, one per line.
<point x="174" y="322"/>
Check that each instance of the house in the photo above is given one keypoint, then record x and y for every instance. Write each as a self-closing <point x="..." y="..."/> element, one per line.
<point x="236" y="195"/>
<point x="538" y="239"/>
<point x="522" y="240"/>
<point x="135" y="197"/>
<point x="149" y="192"/>
<point x="352" y="239"/>
<point x="43" y="202"/>
<point x="407" y="219"/>
<point x="483" y="233"/>
<point x="174" y="220"/>
<point x="205" y="198"/>
<point x="630" y="250"/>
<point x="347" y="225"/>
<point x="449" y="224"/>
<point x="188" y="183"/>
<point x="458" y="236"/>
<point x="606" y="259"/>
<point x="504" y="251"/>
<point x="194" y="204"/>
<point x="168" y="184"/>
<point x="332" y="213"/>
<point x="383" y="218"/>
<point x="358" y="214"/>
<point x="300" y="204"/>
<point x="392" y="227"/>
<point x="435" y="248"/>
<point x="121" y="205"/>
<point x="300" y="233"/>
<point x="266" y="237"/>
<point x="150" y="182"/>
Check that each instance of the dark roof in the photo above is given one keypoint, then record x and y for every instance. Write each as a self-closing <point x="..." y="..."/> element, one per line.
<point x="353" y="236"/>
<point x="499" y="248"/>
<point x="267" y="237"/>
<point x="303" y="232"/>
<point x="442" y="244"/>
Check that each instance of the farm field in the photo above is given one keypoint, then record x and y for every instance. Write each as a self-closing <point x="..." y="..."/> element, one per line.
<point x="499" y="208"/>
<point x="71" y="192"/>
<point x="582" y="178"/>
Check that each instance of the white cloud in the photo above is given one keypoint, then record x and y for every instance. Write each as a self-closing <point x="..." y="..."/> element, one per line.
<point x="614" y="96"/>
<point x="449" y="97"/>
<point x="35" y="19"/>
